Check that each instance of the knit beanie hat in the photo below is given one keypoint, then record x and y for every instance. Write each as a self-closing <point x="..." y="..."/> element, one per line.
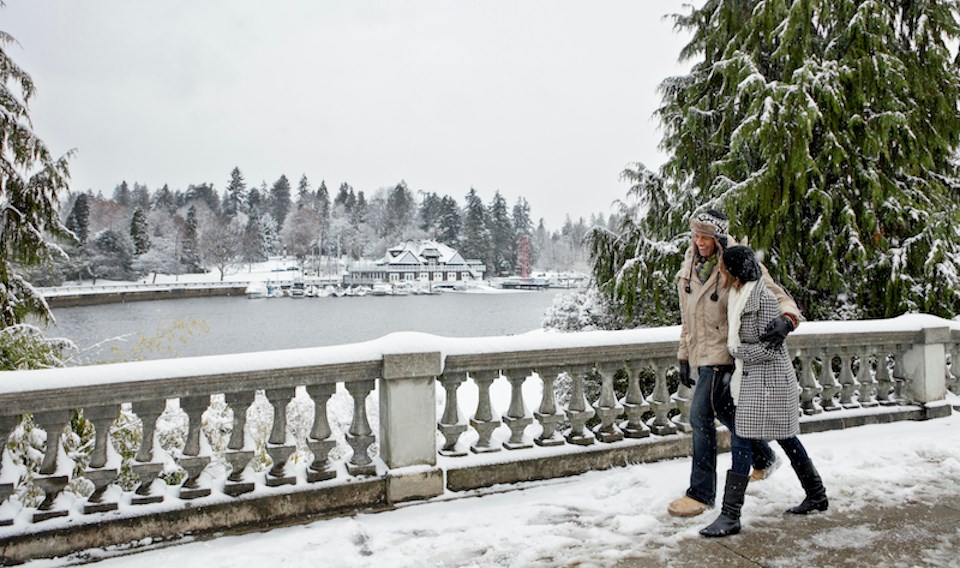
<point x="742" y="263"/>
<point x="711" y="223"/>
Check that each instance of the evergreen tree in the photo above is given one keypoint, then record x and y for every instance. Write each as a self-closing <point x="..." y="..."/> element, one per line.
<point x="139" y="232"/>
<point x="429" y="213"/>
<point x="503" y="241"/>
<point x="140" y="196"/>
<point x="204" y="193"/>
<point x="236" y="193"/>
<point x="30" y="181"/>
<point x="79" y="219"/>
<point x="122" y="195"/>
<point x="449" y="222"/>
<point x="523" y="229"/>
<point x="304" y="195"/>
<point x="322" y="203"/>
<point x="827" y="130"/>
<point x="254" y="247"/>
<point x="190" y="251"/>
<point x="345" y="197"/>
<point x="400" y="212"/>
<point x="280" y="200"/>
<point x="164" y="199"/>
<point x="255" y="203"/>
<point x="110" y="255"/>
<point x="476" y="237"/>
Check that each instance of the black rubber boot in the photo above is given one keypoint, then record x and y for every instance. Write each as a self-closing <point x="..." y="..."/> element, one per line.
<point x="728" y="522"/>
<point x="816" y="499"/>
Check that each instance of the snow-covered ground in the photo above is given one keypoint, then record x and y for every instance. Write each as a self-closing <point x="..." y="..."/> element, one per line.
<point x="595" y="519"/>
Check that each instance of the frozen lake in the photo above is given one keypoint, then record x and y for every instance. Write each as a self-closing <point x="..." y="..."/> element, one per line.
<point x="212" y="326"/>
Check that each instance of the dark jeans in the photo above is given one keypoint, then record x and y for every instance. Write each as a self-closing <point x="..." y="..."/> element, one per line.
<point x="742" y="449"/>
<point x="712" y="401"/>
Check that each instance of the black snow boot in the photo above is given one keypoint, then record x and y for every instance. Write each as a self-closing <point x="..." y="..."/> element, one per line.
<point x="728" y="522"/>
<point x="816" y="499"/>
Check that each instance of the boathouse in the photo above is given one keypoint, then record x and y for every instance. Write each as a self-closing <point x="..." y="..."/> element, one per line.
<point x="423" y="261"/>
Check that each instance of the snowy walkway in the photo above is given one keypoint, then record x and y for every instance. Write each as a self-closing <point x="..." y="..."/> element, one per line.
<point x="894" y="501"/>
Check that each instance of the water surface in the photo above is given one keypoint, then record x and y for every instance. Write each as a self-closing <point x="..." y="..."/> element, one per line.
<point x="211" y="326"/>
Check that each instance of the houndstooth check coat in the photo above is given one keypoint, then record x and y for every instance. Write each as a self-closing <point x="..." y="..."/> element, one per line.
<point x="769" y="402"/>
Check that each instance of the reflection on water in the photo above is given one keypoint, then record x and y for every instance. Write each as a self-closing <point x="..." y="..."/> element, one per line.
<point x="237" y="324"/>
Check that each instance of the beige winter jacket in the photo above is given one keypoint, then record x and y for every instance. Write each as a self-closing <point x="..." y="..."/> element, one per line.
<point x="703" y="330"/>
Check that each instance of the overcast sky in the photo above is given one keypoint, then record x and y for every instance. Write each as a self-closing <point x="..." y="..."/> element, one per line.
<point x="545" y="99"/>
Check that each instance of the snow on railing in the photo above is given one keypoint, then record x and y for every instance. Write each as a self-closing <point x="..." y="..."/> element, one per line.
<point x="208" y="430"/>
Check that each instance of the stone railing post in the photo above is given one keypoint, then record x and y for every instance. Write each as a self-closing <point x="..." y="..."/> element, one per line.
<point x="408" y="424"/>
<point x="924" y="364"/>
<point x="451" y="424"/>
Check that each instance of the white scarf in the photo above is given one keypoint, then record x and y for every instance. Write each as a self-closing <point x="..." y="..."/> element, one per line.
<point x="735" y="305"/>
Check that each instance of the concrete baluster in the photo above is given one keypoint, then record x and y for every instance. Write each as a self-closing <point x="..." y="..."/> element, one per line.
<point x="635" y="405"/>
<point x="848" y="383"/>
<point x="547" y="414"/>
<point x="608" y="408"/>
<point x="579" y="411"/>
<point x="867" y="391"/>
<point x="321" y="439"/>
<point x="360" y="436"/>
<point x="192" y="461"/>
<point x="238" y="454"/>
<point x="660" y="400"/>
<point x="102" y="418"/>
<point x="278" y="447"/>
<point x="829" y="387"/>
<point x="517" y="417"/>
<point x="451" y="424"/>
<point x="483" y="421"/>
<point x="949" y="377"/>
<point x="145" y="467"/>
<point x="682" y="399"/>
<point x="901" y="381"/>
<point x="809" y="389"/>
<point x="884" y="378"/>
<point x="53" y="423"/>
<point x="7" y="425"/>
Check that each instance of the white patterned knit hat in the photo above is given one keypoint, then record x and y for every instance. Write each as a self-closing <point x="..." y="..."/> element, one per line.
<point x="710" y="223"/>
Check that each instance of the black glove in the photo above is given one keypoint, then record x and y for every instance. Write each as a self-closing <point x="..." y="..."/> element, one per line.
<point x="777" y="331"/>
<point x="685" y="379"/>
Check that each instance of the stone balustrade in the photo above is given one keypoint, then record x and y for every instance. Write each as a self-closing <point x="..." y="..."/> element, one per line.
<point x="382" y="422"/>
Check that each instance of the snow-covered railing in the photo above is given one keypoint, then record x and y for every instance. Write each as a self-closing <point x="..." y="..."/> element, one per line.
<point x="235" y="438"/>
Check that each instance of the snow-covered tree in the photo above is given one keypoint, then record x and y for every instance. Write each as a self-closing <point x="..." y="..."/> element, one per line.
<point x="122" y="195"/>
<point x="301" y="233"/>
<point x="827" y="130"/>
<point x="190" y="248"/>
<point x="254" y="247"/>
<point x="450" y="222"/>
<point x="110" y="255"/>
<point x="140" y="196"/>
<point x="280" y="200"/>
<point x="139" y="232"/>
<point x="475" y="240"/>
<point x="234" y="199"/>
<point x="78" y="220"/>
<point x="221" y="243"/>
<point x="503" y="240"/>
<point x="31" y="180"/>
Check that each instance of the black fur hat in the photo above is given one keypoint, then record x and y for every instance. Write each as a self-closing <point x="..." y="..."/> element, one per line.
<point x="742" y="263"/>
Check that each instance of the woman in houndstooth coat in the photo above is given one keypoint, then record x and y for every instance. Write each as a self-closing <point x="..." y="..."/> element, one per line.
<point x="764" y="388"/>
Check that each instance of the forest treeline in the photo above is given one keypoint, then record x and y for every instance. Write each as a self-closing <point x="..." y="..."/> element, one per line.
<point x="137" y="231"/>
